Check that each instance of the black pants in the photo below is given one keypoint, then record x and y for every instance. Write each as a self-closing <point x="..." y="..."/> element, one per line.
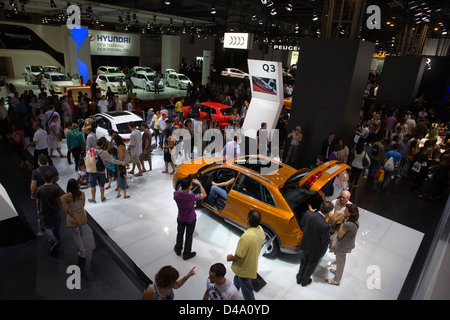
<point x="308" y="265"/>
<point x="76" y="152"/>
<point x="189" y="228"/>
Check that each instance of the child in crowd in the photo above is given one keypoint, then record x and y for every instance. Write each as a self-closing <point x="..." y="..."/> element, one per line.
<point x="112" y="169"/>
<point x="83" y="178"/>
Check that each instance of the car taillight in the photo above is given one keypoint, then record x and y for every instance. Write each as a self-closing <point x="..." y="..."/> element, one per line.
<point x="310" y="181"/>
<point x="126" y="140"/>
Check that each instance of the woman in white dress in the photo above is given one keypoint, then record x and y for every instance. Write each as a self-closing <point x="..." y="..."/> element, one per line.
<point x="54" y="137"/>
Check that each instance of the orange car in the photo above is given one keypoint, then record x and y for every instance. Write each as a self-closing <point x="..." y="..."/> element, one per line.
<point x="279" y="192"/>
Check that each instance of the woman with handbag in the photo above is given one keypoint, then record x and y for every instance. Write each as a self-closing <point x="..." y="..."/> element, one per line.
<point x="73" y="206"/>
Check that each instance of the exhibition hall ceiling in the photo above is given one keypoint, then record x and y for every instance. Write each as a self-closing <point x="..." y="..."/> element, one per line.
<point x="269" y="20"/>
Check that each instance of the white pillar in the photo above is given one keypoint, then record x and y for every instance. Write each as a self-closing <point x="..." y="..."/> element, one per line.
<point x="170" y="53"/>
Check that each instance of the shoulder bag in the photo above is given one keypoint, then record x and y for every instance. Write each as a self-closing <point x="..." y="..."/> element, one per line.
<point x="76" y="218"/>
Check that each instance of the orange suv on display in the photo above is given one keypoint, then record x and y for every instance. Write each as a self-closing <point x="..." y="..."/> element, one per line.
<point x="279" y="192"/>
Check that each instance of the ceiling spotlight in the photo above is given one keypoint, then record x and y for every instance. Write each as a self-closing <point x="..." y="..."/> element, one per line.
<point x="273" y="12"/>
<point x="315" y="17"/>
<point x="167" y="2"/>
<point x="264" y="2"/>
<point x="213" y="10"/>
<point x="289" y="7"/>
<point x="444" y="32"/>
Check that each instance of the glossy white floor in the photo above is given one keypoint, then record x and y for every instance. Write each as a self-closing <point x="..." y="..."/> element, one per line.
<point x="144" y="226"/>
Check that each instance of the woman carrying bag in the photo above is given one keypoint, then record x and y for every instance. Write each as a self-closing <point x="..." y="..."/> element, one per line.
<point x="73" y="206"/>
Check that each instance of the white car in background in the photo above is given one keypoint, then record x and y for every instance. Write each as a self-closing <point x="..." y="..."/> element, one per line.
<point x="54" y="81"/>
<point x="31" y="74"/>
<point x="114" y="81"/>
<point x="118" y="121"/>
<point x="235" y="73"/>
<point x="108" y="69"/>
<point x="143" y="69"/>
<point x="51" y="69"/>
<point x="178" y="80"/>
<point x="146" y="81"/>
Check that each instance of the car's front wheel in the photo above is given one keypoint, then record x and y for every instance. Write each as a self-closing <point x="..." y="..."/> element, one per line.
<point x="271" y="247"/>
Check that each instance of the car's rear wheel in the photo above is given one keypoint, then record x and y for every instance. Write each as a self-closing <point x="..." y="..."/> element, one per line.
<point x="270" y="245"/>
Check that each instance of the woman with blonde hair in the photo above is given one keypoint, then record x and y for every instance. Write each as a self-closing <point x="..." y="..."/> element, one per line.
<point x="296" y="137"/>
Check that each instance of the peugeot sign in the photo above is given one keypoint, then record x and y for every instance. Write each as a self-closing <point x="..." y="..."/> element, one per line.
<point x="237" y="40"/>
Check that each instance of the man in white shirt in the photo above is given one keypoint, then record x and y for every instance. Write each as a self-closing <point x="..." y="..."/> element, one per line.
<point x="161" y="122"/>
<point x="103" y="105"/>
<point x="135" y="147"/>
<point x="39" y="143"/>
<point x="218" y="287"/>
<point x="232" y="149"/>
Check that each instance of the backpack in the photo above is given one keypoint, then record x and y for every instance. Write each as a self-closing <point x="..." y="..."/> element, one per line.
<point x="100" y="166"/>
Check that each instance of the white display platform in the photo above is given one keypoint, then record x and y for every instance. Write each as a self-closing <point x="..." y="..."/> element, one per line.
<point x="144" y="226"/>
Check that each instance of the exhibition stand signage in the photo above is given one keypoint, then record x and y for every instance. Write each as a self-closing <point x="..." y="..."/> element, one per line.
<point x="105" y="43"/>
<point x="266" y="83"/>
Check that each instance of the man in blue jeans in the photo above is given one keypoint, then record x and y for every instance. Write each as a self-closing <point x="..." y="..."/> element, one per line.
<point x="186" y="215"/>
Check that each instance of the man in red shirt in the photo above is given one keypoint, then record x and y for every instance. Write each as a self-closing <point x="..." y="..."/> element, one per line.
<point x="186" y="215"/>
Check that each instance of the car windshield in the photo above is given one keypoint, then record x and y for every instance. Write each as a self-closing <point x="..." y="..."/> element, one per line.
<point x="60" y="77"/>
<point x="36" y="69"/>
<point x="149" y="70"/>
<point x="115" y="78"/>
<point x="183" y="78"/>
<point x="114" y="70"/>
<point x="122" y="128"/>
<point x="150" y="77"/>
<point x="226" y="111"/>
<point x="50" y="69"/>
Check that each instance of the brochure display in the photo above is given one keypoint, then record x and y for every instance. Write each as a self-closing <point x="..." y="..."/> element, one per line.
<point x="266" y="83"/>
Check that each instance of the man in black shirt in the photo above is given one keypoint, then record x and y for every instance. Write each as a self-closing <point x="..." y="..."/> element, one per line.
<point x="48" y="207"/>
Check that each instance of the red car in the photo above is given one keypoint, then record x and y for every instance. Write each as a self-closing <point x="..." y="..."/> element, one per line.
<point x="218" y="111"/>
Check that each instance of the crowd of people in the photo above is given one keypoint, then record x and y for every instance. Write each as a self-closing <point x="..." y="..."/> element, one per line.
<point x="392" y="143"/>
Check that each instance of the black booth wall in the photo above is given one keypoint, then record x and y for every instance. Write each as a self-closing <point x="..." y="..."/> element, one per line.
<point x="329" y="92"/>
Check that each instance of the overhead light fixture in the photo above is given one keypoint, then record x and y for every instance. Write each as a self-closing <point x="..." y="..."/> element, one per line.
<point x="444" y="32"/>
<point x="213" y="10"/>
<point x="273" y="11"/>
<point x="167" y="2"/>
<point x="315" y="17"/>
<point x="289" y="7"/>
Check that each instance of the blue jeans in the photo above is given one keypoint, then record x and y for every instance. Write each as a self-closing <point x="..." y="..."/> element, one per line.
<point x="246" y="285"/>
<point x="216" y="190"/>
<point x="51" y="224"/>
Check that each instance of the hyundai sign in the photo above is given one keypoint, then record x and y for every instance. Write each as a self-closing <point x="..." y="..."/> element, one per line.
<point x="238" y="40"/>
<point x="105" y="43"/>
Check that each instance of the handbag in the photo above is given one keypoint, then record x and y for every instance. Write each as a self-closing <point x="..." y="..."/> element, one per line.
<point x="381" y="177"/>
<point x="417" y="166"/>
<point x="389" y="165"/>
<point x="90" y="161"/>
<point x="377" y="174"/>
<point x="76" y="218"/>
